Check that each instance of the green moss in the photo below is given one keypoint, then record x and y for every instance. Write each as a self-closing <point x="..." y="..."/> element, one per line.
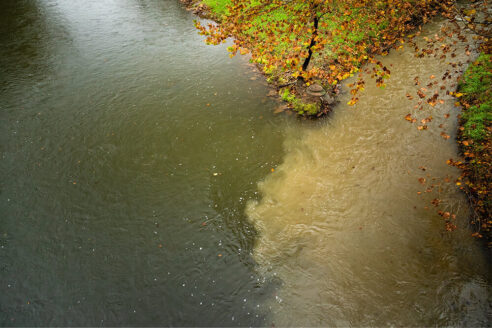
<point x="302" y="108"/>
<point x="310" y="109"/>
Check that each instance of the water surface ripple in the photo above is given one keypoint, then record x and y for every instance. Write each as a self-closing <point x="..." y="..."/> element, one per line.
<point x="128" y="151"/>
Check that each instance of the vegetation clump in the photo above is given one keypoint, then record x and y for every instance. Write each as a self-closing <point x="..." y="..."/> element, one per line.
<point x="474" y="138"/>
<point x="300" y="106"/>
<point x="316" y="40"/>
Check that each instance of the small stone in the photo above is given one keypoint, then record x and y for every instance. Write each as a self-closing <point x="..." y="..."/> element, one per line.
<point x="315" y="90"/>
<point x="328" y="99"/>
<point x="316" y="94"/>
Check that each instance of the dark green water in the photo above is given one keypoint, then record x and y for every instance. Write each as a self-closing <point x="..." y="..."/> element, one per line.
<point x="109" y="151"/>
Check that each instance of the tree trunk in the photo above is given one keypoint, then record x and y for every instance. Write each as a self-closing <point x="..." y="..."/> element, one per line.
<point x="311" y="44"/>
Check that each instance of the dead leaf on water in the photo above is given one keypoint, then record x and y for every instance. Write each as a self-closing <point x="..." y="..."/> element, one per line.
<point x="280" y="109"/>
<point x="445" y="136"/>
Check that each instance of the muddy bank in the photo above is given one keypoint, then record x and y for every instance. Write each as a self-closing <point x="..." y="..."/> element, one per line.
<point x="200" y="9"/>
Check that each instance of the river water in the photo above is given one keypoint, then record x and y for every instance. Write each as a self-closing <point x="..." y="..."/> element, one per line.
<point x="137" y="187"/>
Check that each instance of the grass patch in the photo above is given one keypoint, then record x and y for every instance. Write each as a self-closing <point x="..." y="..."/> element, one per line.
<point x="475" y="87"/>
<point x="475" y="141"/>
<point x="218" y="7"/>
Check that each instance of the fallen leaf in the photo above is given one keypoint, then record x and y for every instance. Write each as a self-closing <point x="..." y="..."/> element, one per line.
<point x="280" y="109"/>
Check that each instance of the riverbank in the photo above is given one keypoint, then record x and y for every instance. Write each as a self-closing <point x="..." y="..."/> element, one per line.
<point x="474" y="139"/>
<point x="323" y="50"/>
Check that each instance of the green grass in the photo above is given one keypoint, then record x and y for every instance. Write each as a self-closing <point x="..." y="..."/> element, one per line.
<point x="476" y="87"/>
<point x="477" y="78"/>
<point x="219" y="7"/>
<point x="477" y="118"/>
